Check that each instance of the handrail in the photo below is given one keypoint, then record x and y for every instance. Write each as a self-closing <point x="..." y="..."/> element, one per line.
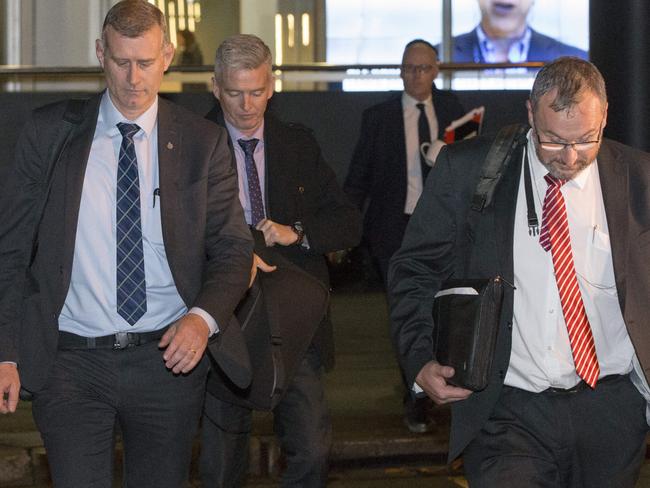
<point x="12" y="70"/>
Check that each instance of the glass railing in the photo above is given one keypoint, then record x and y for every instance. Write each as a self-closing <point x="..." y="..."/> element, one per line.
<point x="302" y="77"/>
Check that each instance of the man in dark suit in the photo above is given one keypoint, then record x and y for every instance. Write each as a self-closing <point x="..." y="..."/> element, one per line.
<point x="387" y="171"/>
<point x="291" y="195"/>
<point x="566" y="402"/>
<point x="142" y="254"/>
<point x="503" y="35"/>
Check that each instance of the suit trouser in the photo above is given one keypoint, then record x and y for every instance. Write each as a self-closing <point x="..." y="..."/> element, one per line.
<point x="408" y="399"/>
<point x="301" y="421"/>
<point x="90" y="392"/>
<point x="588" y="438"/>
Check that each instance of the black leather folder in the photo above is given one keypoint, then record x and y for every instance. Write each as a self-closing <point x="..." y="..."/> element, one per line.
<point x="466" y="321"/>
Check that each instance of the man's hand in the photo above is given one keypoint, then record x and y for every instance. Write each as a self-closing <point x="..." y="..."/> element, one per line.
<point x="185" y="341"/>
<point x="258" y="262"/>
<point x="275" y="233"/>
<point x="9" y="387"/>
<point x="432" y="379"/>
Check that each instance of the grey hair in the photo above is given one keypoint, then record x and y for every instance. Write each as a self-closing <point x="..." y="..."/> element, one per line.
<point x="132" y="18"/>
<point x="571" y="76"/>
<point x="241" y="51"/>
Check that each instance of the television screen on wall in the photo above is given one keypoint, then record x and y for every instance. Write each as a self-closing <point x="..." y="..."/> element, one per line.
<point x="374" y="32"/>
<point x="516" y="31"/>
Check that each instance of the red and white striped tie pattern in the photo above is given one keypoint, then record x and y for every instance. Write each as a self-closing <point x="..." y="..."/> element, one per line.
<point x="554" y="235"/>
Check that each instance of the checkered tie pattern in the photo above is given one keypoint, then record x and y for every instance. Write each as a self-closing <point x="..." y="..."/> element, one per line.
<point x="554" y="236"/>
<point x="131" y="287"/>
<point x="254" y="191"/>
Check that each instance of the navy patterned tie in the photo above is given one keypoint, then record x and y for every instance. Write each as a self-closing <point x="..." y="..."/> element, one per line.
<point x="254" y="191"/>
<point x="131" y="288"/>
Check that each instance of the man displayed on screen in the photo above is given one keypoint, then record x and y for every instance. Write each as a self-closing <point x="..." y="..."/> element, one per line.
<point x="505" y="36"/>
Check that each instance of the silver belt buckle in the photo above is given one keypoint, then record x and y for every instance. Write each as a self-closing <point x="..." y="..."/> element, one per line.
<point x="121" y="340"/>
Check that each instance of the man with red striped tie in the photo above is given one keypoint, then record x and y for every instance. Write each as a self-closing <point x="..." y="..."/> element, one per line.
<point x="566" y="403"/>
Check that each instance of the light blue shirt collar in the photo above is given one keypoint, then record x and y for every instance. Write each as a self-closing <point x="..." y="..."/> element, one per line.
<point x="518" y="52"/>
<point x="110" y="116"/>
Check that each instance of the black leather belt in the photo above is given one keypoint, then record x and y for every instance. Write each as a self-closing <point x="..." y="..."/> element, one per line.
<point x="582" y="385"/>
<point x="119" y="340"/>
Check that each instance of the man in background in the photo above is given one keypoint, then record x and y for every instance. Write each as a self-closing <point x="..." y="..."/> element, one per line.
<point x="566" y="403"/>
<point x="289" y="194"/>
<point x="387" y="171"/>
<point x="189" y="52"/>
<point x="141" y="256"/>
<point x="504" y="36"/>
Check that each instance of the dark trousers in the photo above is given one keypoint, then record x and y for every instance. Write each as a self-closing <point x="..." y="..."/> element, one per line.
<point x="408" y="398"/>
<point x="90" y="392"/>
<point x="589" y="438"/>
<point x="301" y="421"/>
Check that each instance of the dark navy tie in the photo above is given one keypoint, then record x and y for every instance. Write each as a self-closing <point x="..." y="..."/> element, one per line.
<point x="131" y="288"/>
<point x="254" y="191"/>
<point x="424" y="135"/>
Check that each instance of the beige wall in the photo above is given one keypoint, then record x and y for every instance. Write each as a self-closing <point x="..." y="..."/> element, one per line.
<point x="220" y="19"/>
<point x="258" y="17"/>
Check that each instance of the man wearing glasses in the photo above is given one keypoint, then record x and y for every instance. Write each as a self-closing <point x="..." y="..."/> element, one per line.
<point x="566" y="403"/>
<point x="388" y="172"/>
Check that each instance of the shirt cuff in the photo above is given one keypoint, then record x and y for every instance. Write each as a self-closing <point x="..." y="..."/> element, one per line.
<point x="416" y="389"/>
<point x="212" y="324"/>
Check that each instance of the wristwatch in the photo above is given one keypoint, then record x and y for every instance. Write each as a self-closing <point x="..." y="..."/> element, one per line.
<point x="300" y="232"/>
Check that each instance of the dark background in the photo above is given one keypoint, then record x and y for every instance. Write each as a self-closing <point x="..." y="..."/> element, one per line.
<point x="335" y="117"/>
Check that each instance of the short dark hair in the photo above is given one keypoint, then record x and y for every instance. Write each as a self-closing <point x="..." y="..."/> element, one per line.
<point x="187" y="35"/>
<point x="571" y="76"/>
<point x="422" y="41"/>
<point x="132" y="18"/>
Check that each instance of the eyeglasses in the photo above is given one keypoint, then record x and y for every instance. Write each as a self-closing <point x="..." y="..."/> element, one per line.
<point x="416" y="68"/>
<point x="577" y="146"/>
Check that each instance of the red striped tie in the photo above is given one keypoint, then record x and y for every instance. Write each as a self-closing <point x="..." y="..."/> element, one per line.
<point x="554" y="235"/>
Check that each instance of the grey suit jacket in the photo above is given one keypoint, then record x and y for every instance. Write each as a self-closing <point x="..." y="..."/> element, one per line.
<point x="207" y="242"/>
<point x="446" y="238"/>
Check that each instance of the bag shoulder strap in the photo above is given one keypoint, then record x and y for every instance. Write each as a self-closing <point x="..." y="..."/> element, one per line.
<point x="496" y="162"/>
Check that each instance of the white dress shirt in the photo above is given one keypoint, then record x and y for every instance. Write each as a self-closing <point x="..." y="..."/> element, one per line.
<point x="541" y="353"/>
<point x="90" y="307"/>
<point x="413" y="167"/>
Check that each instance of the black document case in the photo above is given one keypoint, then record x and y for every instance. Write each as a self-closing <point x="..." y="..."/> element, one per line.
<point x="466" y="319"/>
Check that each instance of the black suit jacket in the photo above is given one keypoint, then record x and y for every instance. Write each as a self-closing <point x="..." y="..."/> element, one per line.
<point x="377" y="173"/>
<point x="207" y="242"/>
<point x="465" y="48"/>
<point x="441" y="241"/>
<point x="300" y="186"/>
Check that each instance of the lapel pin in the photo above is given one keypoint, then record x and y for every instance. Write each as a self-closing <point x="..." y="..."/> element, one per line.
<point x="170" y="145"/>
